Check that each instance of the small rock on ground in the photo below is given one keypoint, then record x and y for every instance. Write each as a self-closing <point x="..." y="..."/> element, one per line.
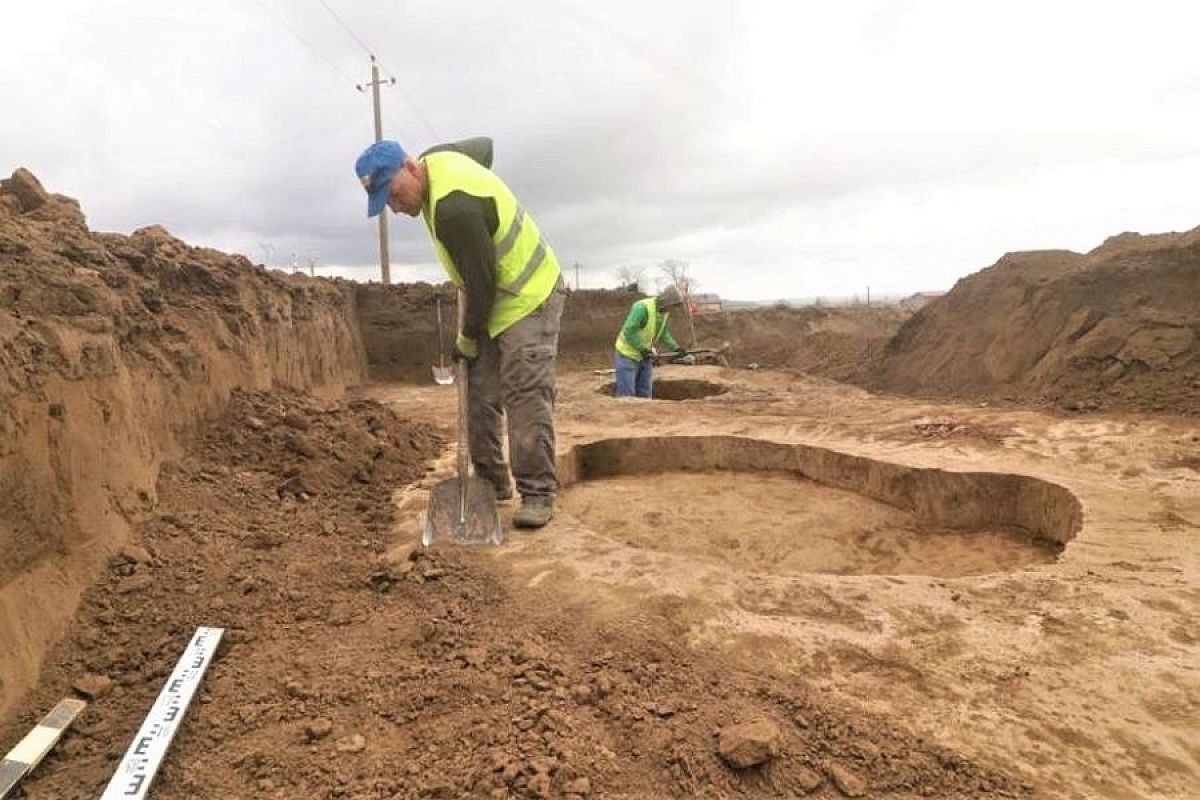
<point x="749" y="744"/>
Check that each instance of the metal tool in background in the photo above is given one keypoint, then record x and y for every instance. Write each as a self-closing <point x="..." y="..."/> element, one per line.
<point x="442" y="375"/>
<point x="711" y="356"/>
<point x="462" y="509"/>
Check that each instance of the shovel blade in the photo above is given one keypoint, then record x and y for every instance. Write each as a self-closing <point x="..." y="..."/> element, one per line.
<point x="443" y="376"/>
<point x="450" y="520"/>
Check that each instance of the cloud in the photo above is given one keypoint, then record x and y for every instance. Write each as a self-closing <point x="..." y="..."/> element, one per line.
<point x="783" y="149"/>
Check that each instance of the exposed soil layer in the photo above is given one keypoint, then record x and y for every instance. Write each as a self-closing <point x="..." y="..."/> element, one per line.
<point x="833" y="342"/>
<point x="675" y="389"/>
<point x="607" y="659"/>
<point x="778" y="523"/>
<point x="1117" y="328"/>
<point x="349" y="671"/>
<point x="399" y="330"/>
<point x="110" y="347"/>
<point x="399" y="322"/>
<point x="968" y="501"/>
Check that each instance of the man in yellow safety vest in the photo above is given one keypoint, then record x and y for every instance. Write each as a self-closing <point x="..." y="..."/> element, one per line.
<point x="645" y="327"/>
<point x="494" y="252"/>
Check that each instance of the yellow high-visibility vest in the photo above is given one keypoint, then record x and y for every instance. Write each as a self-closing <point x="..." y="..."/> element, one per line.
<point x="527" y="270"/>
<point x="649" y="333"/>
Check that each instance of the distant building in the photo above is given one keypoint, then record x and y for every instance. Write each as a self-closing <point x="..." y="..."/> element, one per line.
<point x="915" y="302"/>
<point x="707" y="304"/>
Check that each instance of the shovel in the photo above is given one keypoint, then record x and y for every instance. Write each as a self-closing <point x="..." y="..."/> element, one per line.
<point x="442" y="375"/>
<point x="462" y="509"/>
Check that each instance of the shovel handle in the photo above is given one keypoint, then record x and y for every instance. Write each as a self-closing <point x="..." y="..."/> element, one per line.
<point x="463" y="434"/>
<point x="437" y="299"/>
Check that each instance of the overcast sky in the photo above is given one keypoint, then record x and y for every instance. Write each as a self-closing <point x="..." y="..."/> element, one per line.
<point x="783" y="149"/>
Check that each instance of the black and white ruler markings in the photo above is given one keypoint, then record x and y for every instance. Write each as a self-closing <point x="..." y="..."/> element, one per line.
<point x="137" y="769"/>
<point x="30" y="751"/>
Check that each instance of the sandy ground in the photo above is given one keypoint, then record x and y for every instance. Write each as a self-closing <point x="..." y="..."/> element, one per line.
<point x="780" y="524"/>
<point x="1078" y="671"/>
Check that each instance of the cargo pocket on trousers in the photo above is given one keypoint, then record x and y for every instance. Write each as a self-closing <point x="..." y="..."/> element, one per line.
<point x="532" y="370"/>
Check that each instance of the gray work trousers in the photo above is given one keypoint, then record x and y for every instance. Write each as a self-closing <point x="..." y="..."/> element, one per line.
<point x="514" y="374"/>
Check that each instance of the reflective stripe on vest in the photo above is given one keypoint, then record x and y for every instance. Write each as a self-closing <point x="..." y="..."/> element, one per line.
<point x="649" y="333"/>
<point x="527" y="270"/>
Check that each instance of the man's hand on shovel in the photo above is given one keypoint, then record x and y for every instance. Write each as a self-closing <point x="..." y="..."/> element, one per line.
<point x="465" y="349"/>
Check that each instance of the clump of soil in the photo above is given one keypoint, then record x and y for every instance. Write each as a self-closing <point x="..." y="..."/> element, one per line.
<point x="318" y="450"/>
<point x="1117" y="328"/>
<point x="353" y="670"/>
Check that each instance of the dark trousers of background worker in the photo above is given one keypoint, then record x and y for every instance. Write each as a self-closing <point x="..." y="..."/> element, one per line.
<point x="634" y="378"/>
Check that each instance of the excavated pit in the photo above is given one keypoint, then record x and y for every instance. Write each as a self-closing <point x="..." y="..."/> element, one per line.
<point x="676" y="389"/>
<point x="767" y="507"/>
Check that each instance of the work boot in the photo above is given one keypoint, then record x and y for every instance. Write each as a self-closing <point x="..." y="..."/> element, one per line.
<point x="535" y="511"/>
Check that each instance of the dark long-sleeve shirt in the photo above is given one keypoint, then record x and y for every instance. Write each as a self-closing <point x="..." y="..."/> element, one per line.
<point x="465" y="225"/>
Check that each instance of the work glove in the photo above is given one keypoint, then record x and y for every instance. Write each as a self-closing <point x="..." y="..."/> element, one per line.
<point x="646" y="354"/>
<point x="465" y="348"/>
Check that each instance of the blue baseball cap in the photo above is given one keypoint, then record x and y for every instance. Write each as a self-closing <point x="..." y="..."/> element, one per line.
<point x="376" y="167"/>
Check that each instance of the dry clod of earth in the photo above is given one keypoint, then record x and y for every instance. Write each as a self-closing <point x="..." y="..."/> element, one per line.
<point x="847" y="781"/>
<point x="351" y="744"/>
<point x="93" y="686"/>
<point x="749" y="744"/>
<point x="807" y="781"/>
<point x="317" y="729"/>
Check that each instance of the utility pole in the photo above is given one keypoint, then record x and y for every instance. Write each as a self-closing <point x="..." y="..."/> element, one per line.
<point x="577" y="276"/>
<point x="385" y="260"/>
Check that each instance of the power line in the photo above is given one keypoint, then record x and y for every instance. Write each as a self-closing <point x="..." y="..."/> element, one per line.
<point x="408" y="99"/>
<point x="416" y="112"/>
<point x="702" y="86"/>
<point x="305" y="42"/>
<point x="291" y="31"/>
<point x="346" y="27"/>
<point x="371" y="52"/>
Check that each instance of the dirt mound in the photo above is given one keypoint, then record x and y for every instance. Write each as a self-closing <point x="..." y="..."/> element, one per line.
<point x="352" y="671"/>
<point x="110" y="346"/>
<point x="833" y="342"/>
<point x="317" y="449"/>
<point x="1117" y="328"/>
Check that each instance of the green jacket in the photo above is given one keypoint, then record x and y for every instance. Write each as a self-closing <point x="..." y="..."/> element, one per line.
<point x="644" y="327"/>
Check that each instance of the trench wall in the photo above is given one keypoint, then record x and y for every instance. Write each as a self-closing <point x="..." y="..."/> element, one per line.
<point x="112" y="348"/>
<point x="965" y="500"/>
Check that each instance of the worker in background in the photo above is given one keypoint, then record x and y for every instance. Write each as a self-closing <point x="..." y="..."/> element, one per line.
<point x="494" y="252"/>
<point x="645" y="326"/>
